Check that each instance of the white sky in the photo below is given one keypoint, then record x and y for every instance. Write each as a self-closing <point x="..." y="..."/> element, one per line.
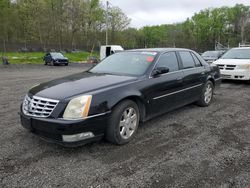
<point x="156" y="12"/>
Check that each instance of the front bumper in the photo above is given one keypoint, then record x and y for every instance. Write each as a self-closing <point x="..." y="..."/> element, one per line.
<point x="235" y="74"/>
<point x="53" y="130"/>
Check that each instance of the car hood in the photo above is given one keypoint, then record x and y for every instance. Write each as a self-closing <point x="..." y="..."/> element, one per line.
<point x="209" y="58"/>
<point x="77" y="84"/>
<point x="60" y="58"/>
<point x="232" y="61"/>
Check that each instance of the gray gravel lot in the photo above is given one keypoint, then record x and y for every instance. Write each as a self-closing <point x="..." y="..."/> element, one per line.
<point x="189" y="147"/>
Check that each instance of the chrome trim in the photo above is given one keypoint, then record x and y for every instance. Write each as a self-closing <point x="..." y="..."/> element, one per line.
<point x="181" y="70"/>
<point x="162" y="96"/>
<point x="89" y="117"/>
<point x="31" y="108"/>
<point x="42" y="98"/>
<point x="217" y="79"/>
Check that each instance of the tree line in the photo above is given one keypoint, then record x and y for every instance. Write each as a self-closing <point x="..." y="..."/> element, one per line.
<point x="81" y="24"/>
<point x="58" y="23"/>
<point x="226" y="25"/>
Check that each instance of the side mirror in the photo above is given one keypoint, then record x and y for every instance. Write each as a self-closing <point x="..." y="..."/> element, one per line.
<point x="160" y="70"/>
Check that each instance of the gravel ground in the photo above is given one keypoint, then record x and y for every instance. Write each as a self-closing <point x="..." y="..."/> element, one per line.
<point x="189" y="147"/>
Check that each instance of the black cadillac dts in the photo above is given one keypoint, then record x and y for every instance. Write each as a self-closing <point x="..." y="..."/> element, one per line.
<point x="111" y="99"/>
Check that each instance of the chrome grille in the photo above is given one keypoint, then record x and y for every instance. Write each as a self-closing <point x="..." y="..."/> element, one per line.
<point x="38" y="106"/>
<point x="227" y="67"/>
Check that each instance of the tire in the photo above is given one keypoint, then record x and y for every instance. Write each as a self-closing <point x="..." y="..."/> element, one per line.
<point x="206" y="94"/>
<point x="123" y="123"/>
<point x="45" y="63"/>
<point x="66" y="64"/>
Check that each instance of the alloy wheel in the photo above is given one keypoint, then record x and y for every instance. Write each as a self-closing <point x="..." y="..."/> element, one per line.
<point x="128" y="123"/>
<point x="208" y="93"/>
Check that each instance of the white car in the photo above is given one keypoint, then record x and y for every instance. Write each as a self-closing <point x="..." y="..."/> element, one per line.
<point x="235" y="64"/>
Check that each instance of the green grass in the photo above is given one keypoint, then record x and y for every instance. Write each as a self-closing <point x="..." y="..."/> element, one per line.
<point x="37" y="57"/>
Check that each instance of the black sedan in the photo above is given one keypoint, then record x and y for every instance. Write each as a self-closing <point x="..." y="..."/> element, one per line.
<point x="55" y="58"/>
<point x="112" y="98"/>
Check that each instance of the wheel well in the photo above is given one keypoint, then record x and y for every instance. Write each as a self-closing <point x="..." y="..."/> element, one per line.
<point x="140" y="105"/>
<point x="212" y="80"/>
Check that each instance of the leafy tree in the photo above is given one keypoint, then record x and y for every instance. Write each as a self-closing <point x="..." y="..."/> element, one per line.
<point x="72" y="24"/>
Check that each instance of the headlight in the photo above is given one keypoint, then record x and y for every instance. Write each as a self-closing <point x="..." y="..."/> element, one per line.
<point x="78" y="108"/>
<point x="243" y="66"/>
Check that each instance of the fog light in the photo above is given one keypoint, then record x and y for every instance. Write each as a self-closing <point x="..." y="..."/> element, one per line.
<point x="77" y="137"/>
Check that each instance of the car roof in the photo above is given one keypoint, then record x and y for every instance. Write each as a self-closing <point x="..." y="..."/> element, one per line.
<point x="159" y="50"/>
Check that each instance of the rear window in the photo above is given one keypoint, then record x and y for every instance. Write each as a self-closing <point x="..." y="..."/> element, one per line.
<point x="211" y="54"/>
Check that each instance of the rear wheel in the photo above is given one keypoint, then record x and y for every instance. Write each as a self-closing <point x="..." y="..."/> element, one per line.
<point x="123" y="123"/>
<point x="206" y="94"/>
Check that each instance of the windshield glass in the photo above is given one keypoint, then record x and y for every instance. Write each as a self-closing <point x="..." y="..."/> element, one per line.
<point x="126" y="63"/>
<point x="57" y="55"/>
<point x="237" y="54"/>
<point x="210" y="54"/>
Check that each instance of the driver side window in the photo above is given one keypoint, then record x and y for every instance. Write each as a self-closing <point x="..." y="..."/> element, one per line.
<point x="169" y="60"/>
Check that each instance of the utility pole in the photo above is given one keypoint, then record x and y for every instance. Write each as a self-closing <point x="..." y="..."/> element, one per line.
<point x="107" y="23"/>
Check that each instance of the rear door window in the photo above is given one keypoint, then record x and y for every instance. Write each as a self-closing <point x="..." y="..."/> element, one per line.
<point x="187" y="60"/>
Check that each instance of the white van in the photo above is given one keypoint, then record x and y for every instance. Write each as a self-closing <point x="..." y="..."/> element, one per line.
<point x="235" y="64"/>
<point x="109" y="50"/>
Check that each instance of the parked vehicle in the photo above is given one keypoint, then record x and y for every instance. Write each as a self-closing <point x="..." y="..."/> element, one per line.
<point x="235" y="64"/>
<point x="112" y="98"/>
<point x="211" y="56"/>
<point x="93" y="60"/>
<point x="55" y="58"/>
<point x="109" y="50"/>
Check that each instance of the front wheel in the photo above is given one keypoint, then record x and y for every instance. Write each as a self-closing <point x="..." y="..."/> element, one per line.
<point x="123" y="122"/>
<point x="206" y="94"/>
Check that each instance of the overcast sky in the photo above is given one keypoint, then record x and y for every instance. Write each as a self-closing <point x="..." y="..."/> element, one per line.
<point x="156" y="12"/>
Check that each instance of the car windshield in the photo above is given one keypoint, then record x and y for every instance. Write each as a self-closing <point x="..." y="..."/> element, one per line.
<point x="237" y="54"/>
<point x="57" y="55"/>
<point x="210" y="54"/>
<point x="126" y="63"/>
